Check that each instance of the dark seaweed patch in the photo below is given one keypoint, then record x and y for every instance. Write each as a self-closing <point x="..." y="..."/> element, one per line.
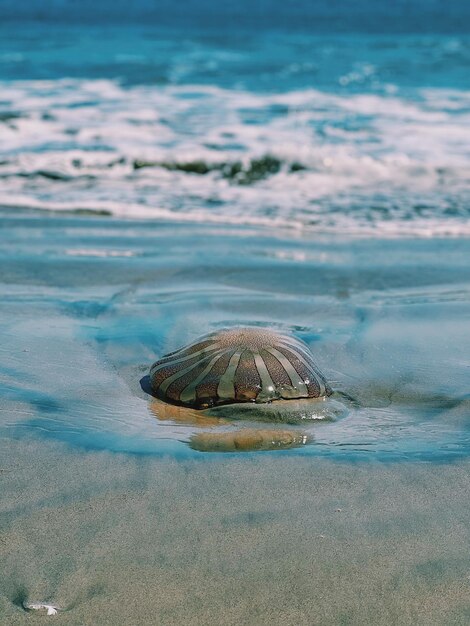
<point x="297" y="167"/>
<point x="234" y="171"/>
<point x="257" y="169"/>
<point x="92" y="212"/>
<point x="8" y="116"/>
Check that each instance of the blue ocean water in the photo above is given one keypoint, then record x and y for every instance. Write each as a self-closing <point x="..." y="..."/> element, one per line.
<point x="366" y="133"/>
<point x="259" y="15"/>
<point x="160" y="181"/>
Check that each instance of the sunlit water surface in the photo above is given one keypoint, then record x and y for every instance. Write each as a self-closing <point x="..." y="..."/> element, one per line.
<point x="89" y="303"/>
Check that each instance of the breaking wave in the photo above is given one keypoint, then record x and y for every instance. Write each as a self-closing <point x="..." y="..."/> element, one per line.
<point x="357" y="164"/>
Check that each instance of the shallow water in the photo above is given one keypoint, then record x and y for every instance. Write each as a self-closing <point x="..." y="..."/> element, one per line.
<point x="89" y="303"/>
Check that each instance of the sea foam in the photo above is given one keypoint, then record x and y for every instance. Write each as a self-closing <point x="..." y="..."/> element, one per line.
<point x="358" y="164"/>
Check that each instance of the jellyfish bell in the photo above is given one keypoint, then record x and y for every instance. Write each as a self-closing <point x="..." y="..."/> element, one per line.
<point x="238" y="365"/>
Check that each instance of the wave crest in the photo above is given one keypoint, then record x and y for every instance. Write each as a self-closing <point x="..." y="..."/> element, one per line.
<point x="304" y="159"/>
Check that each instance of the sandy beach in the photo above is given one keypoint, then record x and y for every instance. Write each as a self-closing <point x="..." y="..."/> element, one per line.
<point x="112" y="538"/>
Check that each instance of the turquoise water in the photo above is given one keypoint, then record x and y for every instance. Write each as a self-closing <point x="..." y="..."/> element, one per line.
<point x="90" y="302"/>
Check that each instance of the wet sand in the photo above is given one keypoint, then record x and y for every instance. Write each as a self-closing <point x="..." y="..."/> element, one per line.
<point x="260" y="539"/>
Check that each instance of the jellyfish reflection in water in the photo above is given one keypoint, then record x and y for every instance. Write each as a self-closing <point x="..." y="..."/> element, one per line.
<point x="248" y="440"/>
<point x="219" y="439"/>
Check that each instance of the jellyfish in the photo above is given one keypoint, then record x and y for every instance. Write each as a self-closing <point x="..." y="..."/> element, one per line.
<point x="238" y="365"/>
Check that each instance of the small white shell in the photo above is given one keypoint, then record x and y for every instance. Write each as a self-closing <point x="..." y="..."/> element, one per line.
<point x="39" y="606"/>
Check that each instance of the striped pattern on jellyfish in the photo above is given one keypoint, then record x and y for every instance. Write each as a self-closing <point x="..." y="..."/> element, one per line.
<point x="238" y="365"/>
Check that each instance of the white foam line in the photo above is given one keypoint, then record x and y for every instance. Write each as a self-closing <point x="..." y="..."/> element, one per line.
<point x="141" y="212"/>
<point x="342" y="225"/>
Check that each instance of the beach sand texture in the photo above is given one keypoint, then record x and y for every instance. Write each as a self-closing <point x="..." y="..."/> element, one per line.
<point x="118" y="539"/>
